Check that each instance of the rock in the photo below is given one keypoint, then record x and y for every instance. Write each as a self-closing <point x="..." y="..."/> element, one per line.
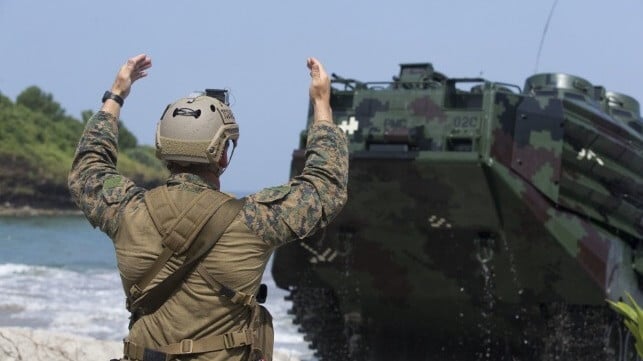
<point x="24" y="344"/>
<point x="40" y="345"/>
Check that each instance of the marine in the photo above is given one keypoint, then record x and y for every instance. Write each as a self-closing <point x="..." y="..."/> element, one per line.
<point x="191" y="257"/>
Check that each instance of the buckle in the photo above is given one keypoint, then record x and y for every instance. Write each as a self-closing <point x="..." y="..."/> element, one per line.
<point x="228" y="340"/>
<point x="126" y="344"/>
<point x="236" y="339"/>
<point x="248" y="300"/>
<point x="187" y="345"/>
<point x="135" y="292"/>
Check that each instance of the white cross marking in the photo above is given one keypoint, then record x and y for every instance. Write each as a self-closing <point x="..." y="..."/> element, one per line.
<point x="589" y="154"/>
<point x="349" y="126"/>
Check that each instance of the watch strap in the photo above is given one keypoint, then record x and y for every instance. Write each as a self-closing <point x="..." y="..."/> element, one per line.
<point x="115" y="97"/>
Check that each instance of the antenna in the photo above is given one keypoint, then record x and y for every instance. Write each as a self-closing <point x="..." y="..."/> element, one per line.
<point x="542" y="39"/>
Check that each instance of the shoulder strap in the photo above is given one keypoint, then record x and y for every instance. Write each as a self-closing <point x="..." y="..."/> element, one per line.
<point x="178" y="232"/>
<point x="160" y="207"/>
<point x="208" y="234"/>
<point x="163" y="211"/>
<point x="238" y="297"/>
<point x="184" y="228"/>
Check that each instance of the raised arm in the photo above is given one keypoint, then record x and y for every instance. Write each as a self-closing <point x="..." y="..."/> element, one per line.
<point x="312" y="199"/>
<point x="94" y="183"/>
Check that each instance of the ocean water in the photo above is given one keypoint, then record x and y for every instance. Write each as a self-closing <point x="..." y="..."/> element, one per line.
<point x="59" y="274"/>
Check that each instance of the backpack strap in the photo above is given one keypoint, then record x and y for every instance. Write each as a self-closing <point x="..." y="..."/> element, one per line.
<point x="161" y="208"/>
<point x="259" y="337"/>
<point x="206" y="228"/>
<point x="220" y="289"/>
<point x="162" y="212"/>
<point x="178" y="232"/>
<point x="210" y="343"/>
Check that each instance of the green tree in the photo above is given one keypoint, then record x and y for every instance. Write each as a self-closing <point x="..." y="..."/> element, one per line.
<point x="145" y="155"/>
<point x="37" y="100"/>
<point x="126" y="139"/>
<point x="5" y="101"/>
<point x="37" y="145"/>
<point x="86" y="114"/>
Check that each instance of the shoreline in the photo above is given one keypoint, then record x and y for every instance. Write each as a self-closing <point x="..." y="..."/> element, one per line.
<point x="7" y="210"/>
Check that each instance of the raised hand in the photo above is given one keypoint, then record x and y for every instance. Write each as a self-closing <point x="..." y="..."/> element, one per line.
<point x="319" y="91"/>
<point x="319" y="80"/>
<point x="134" y="69"/>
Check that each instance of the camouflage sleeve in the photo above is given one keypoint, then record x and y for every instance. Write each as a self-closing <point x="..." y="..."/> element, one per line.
<point x="310" y="200"/>
<point x="94" y="183"/>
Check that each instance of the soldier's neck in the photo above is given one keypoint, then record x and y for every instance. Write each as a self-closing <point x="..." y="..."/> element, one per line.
<point x="212" y="178"/>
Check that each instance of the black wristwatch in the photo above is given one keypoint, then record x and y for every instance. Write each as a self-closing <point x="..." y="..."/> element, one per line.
<point x="109" y="95"/>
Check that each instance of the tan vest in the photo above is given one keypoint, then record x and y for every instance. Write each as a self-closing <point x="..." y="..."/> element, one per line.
<point x="196" y="322"/>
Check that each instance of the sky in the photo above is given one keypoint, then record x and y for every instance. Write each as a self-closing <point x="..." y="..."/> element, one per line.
<point x="257" y="49"/>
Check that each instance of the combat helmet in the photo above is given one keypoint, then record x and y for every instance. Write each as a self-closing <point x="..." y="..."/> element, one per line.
<point x="197" y="129"/>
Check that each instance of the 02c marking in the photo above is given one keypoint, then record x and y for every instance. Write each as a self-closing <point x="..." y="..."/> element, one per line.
<point x="466" y="121"/>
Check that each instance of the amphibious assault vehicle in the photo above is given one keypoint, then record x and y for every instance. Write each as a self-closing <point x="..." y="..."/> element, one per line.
<point x="484" y="221"/>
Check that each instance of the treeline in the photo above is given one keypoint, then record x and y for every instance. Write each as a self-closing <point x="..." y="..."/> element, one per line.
<point x="37" y="144"/>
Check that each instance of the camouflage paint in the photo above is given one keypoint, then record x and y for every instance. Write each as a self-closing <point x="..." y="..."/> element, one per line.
<point x="482" y="222"/>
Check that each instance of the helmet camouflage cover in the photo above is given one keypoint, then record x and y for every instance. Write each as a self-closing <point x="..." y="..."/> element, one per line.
<point x="195" y="129"/>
